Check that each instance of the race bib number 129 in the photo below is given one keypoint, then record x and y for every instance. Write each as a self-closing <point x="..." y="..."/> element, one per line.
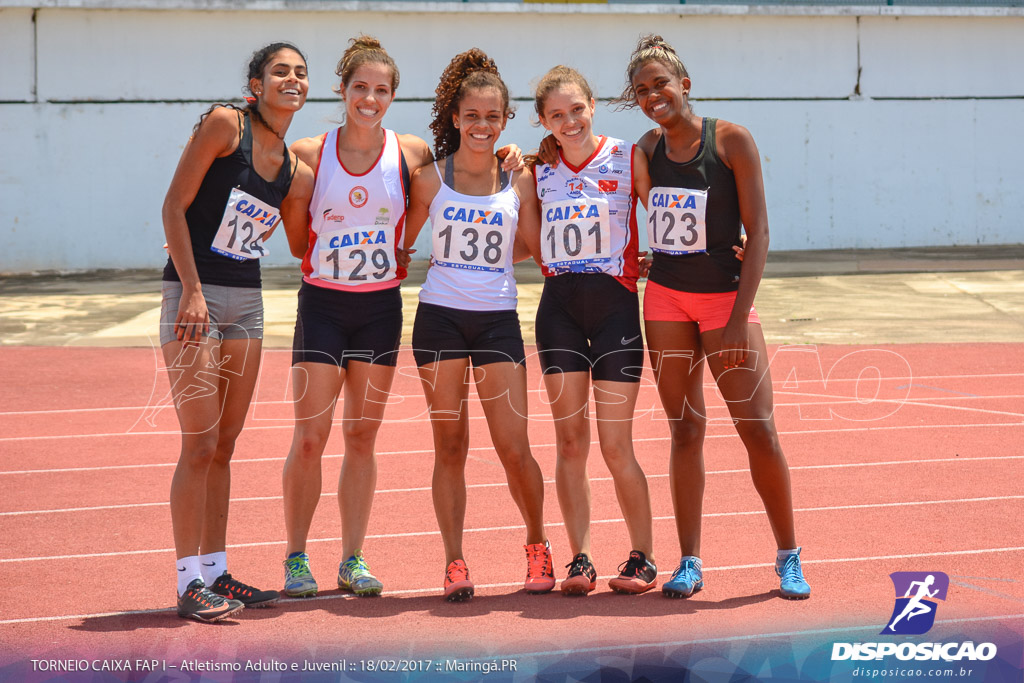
<point x="243" y="227"/>
<point x="471" y="237"/>
<point x="675" y="220"/>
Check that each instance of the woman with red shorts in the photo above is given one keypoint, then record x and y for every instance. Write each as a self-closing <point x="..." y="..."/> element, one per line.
<point x="706" y="183"/>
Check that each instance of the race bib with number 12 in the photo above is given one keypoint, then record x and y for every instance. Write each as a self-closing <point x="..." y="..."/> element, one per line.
<point x="676" y="220"/>
<point x="471" y="237"/>
<point x="243" y="227"/>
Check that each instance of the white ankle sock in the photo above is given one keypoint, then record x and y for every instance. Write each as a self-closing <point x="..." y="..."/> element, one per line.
<point x="781" y="555"/>
<point x="188" y="571"/>
<point x="213" y="565"/>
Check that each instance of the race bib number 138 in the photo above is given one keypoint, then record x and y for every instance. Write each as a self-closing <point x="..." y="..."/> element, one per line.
<point x="472" y="237"/>
<point x="244" y="226"/>
<point x="675" y="220"/>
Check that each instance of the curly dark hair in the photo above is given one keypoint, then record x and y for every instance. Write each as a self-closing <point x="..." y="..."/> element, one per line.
<point x="650" y="48"/>
<point x="257" y="65"/>
<point x="470" y="70"/>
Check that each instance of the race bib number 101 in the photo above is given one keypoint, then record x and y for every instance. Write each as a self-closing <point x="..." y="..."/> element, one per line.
<point x="471" y="237"/>
<point x="575" y="234"/>
<point x="243" y="227"/>
<point x="675" y="220"/>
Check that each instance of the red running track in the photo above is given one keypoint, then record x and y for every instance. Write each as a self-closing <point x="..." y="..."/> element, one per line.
<point x="904" y="458"/>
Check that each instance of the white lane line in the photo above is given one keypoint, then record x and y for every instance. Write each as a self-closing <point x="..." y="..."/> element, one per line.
<point x="729" y="435"/>
<point x="648" y="383"/>
<point x="416" y="489"/>
<point x="514" y="527"/>
<point x="511" y="584"/>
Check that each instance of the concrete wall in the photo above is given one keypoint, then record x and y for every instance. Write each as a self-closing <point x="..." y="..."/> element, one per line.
<point x="876" y="129"/>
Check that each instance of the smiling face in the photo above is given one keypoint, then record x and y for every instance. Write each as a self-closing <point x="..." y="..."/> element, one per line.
<point x="660" y="93"/>
<point x="284" y="83"/>
<point x="480" y="118"/>
<point x="569" y="115"/>
<point x="368" y="93"/>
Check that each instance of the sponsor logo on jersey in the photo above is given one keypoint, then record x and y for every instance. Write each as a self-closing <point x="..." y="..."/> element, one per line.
<point x="333" y="217"/>
<point x="357" y="238"/>
<point x="616" y="152"/>
<point x="383" y="216"/>
<point x="574" y="187"/>
<point x="257" y="214"/>
<point x="546" y="173"/>
<point x="603" y="168"/>
<point x="492" y="217"/>
<point x="568" y="213"/>
<point x="668" y="200"/>
<point x="608" y="186"/>
<point x="357" y="196"/>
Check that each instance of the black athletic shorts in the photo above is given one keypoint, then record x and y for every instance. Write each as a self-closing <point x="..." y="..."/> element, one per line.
<point x="442" y="333"/>
<point x="335" y="327"/>
<point x="590" y="322"/>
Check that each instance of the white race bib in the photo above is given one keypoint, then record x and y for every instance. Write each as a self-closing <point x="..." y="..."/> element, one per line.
<point x="355" y="255"/>
<point x="575" y="234"/>
<point x="245" y="223"/>
<point x="675" y="220"/>
<point x="472" y="237"/>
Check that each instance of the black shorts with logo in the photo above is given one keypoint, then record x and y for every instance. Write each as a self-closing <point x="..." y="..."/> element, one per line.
<point x="590" y="322"/>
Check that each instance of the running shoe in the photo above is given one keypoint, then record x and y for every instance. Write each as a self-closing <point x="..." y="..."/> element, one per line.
<point x="457" y="586"/>
<point x="792" y="584"/>
<point x="201" y="604"/>
<point x="582" y="577"/>
<point x="232" y="589"/>
<point x="298" y="580"/>
<point x="540" y="575"/>
<point x="354" y="575"/>
<point x="636" y="575"/>
<point x="686" y="580"/>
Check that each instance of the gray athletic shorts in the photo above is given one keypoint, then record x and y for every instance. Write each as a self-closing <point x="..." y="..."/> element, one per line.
<point x="235" y="312"/>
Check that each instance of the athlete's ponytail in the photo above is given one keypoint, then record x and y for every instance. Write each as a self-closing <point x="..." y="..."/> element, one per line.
<point x="650" y="48"/>
<point x="470" y="70"/>
<point x="555" y="78"/>
<point x="364" y="49"/>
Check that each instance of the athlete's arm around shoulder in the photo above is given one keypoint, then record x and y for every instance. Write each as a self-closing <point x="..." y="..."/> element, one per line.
<point x="425" y="185"/>
<point x="415" y="150"/>
<point x="641" y="175"/>
<point x="217" y="136"/>
<point x="295" y="207"/>
<point x="528" y="230"/>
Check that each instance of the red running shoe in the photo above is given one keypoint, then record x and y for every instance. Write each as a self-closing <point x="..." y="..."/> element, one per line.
<point x="457" y="586"/>
<point x="582" y="576"/>
<point x="540" y="575"/>
<point x="636" y="575"/>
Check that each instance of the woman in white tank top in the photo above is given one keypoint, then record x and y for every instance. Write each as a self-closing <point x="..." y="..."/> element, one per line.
<point x="467" y="309"/>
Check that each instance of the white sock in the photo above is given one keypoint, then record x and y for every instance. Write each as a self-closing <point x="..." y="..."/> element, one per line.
<point x="781" y="555"/>
<point x="188" y="571"/>
<point x="696" y="561"/>
<point x="213" y="565"/>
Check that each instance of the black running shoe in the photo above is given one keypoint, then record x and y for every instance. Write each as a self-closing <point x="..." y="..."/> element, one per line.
<point x="582" y="577"/>
<point x="201" y="604"/>
<point x="233" y="589"/>
<point x="636" y="575"/>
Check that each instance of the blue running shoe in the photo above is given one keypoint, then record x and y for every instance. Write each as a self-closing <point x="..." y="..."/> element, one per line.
<point x="298" y="580"/>
<point x="686" y="580"/>
<point x="792" y="584"/>
<point x="354" y="575"/>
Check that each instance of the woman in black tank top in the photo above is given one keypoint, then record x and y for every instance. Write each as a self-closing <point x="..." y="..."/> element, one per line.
<point x="235" y="181"/>
<point x="713" y="166"/>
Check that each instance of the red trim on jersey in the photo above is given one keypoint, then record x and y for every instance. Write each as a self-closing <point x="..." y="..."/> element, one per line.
<point x="307" y="260"/>
<point x="575" y="169"/>
<point x="337" y="153"/>
<point x="401" y="273"/>
<point x="630" y="265"/>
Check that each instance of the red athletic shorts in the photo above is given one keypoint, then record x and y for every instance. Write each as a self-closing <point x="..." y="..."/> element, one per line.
<point x="710" y="311"/>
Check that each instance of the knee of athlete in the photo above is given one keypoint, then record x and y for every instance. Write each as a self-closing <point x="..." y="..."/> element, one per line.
<point x="516" y="456"/>
<point x="360" y="435"/>
<point x="200" y="451"/>
<point x="759" y="436"/>
<point x="619" y="457"/>
<point x="688" y="431"/>
<point x="309" y="444"/>
<point x="574" y="445"/>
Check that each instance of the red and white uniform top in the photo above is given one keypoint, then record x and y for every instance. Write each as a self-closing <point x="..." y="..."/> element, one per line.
<point x="356" y="220"/>
<point x="588" y="214"/>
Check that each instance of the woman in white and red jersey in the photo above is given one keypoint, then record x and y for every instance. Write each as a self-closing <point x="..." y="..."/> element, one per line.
<point x="588" y="320"/>
<point x="349" y="321"/>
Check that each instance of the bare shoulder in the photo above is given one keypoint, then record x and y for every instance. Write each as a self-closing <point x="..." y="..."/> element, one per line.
<point x="425" y="180"/>
<point x="308" y="149"/>
<point x="735" y="143"/>
<point x="416" y="150"/>
<point x="525" y="184"/>
<point x="648" y="141"/>
<point x="304" y="178"/>
<point x="220" y="130"/>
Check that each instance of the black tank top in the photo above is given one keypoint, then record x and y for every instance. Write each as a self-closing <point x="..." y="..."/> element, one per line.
<point x="203" y="216"/>
<point x="717" y="270"/>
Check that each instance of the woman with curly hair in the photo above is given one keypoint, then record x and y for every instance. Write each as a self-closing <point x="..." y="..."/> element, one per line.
<point x="698" y="303"/>
<point x="467" y="311"/>
<point x="235" y="182"/>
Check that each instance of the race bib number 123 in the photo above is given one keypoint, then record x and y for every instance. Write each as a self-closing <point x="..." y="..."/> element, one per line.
<point x="675" y="220"/>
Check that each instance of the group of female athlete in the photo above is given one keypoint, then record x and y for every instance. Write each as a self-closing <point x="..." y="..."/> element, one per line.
<point x="353" y="201"/>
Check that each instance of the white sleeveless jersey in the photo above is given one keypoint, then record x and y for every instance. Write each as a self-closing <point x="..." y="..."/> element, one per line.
<point x="356" y="221"/>
<point x="471" y="250"/>
<point x="588" y="214"/>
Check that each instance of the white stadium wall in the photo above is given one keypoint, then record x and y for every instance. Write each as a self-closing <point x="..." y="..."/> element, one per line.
<point x="877" y="127"/>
